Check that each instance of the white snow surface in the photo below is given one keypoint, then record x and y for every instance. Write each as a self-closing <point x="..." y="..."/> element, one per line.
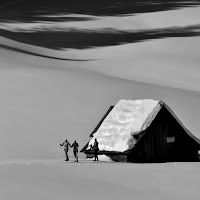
<point x="56" y="179"/>
<point x="127" y="118"/>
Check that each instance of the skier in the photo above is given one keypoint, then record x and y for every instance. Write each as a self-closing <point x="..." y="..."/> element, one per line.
<point x="66" y="145"/>
<point x="96" y="149"/>
<point x="75" y="149"/>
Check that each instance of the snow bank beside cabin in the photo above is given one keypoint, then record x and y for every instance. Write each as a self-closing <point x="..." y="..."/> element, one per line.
<point x="127" y="118"/>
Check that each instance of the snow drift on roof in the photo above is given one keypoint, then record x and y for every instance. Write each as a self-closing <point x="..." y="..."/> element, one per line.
<point x="126" y="119"/>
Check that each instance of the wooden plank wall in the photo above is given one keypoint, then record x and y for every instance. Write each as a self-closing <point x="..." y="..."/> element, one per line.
<point x="153" y="146"/>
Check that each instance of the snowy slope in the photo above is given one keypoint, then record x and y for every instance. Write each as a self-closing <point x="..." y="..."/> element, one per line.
<point x="127" y="118"/>
<point x="45" y="100"/>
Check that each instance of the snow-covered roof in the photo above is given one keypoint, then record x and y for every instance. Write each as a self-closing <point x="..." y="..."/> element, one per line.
<point x="127" y="118"/>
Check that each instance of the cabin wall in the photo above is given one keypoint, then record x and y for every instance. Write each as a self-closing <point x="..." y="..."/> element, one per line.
<point x="164" y="141"/>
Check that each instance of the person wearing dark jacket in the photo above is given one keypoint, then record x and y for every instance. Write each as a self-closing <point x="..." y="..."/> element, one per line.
<point x="75" y="149"/>
<point x="66" y="145"/>
<point x="96" y="149"/>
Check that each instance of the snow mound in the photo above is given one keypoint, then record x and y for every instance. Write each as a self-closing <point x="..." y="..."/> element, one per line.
<point x="102" y="158"/>
<point x="127" y="118"/>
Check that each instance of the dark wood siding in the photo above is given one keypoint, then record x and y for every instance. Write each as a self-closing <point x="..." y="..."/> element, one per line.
<point x="155" y="147"/>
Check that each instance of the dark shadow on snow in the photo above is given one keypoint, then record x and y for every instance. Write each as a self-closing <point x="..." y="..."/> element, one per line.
<point x="60" y="11"/>
<point x="82" y="39"/>
<point x="31" y="10"/>
<point x="40" y="55"/>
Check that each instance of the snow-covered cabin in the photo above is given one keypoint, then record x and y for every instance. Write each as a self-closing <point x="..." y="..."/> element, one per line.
<point x="143" y="131"/>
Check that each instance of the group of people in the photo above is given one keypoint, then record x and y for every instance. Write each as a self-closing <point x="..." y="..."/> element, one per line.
<point x="75" y="146"/>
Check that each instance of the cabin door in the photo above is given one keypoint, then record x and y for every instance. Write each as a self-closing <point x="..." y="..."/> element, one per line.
<point x="171" y="149"/>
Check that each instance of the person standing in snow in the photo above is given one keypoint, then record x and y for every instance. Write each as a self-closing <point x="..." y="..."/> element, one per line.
<point x="75" y="149"/>
<point x="96" y="149"/>
<point x="66" y="145"/>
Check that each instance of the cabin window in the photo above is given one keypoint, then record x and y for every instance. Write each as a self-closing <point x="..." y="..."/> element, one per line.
<point x="171" y="139"/>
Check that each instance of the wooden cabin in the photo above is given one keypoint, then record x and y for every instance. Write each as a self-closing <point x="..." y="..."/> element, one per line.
<point x="165" y="140"/>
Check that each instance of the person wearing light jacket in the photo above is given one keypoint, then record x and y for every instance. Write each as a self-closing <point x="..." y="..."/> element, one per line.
<point x="66" y="145"/>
